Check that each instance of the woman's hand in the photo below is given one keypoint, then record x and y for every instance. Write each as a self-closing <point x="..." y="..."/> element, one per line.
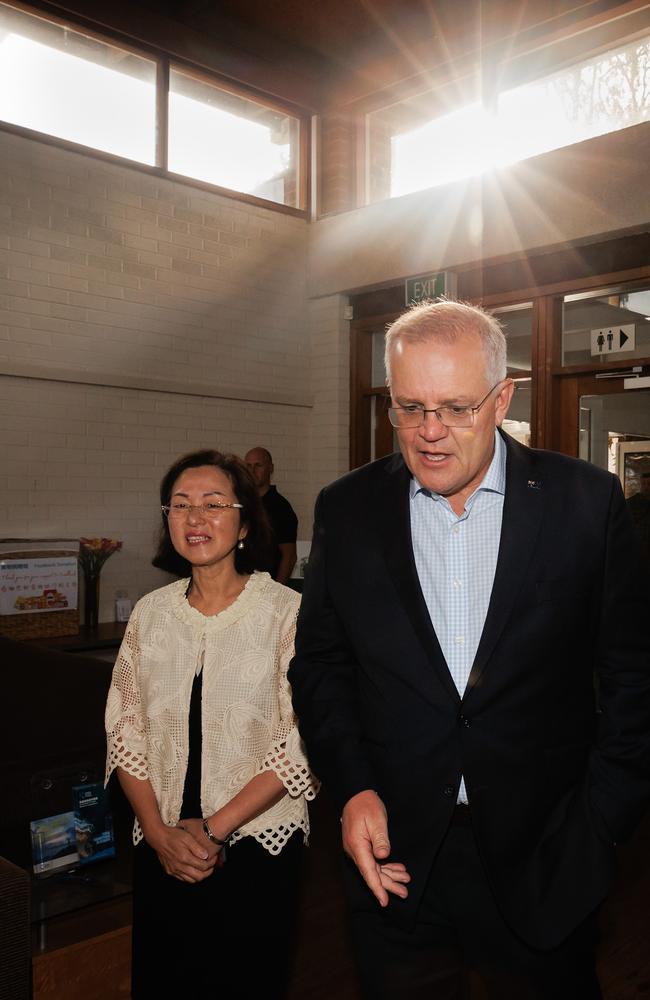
<point x="184" y="851"/>
<point x="181" y="853"/>
<point x="216" y="853"/>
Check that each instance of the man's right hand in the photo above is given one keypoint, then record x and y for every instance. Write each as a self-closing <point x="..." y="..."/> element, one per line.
<point x="365" y="840"/>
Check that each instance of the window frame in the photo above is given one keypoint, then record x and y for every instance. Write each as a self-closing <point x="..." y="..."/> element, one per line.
<point x="264" y="101"/>
<point x="163" y="63"/>
<point x="537" y="53"/>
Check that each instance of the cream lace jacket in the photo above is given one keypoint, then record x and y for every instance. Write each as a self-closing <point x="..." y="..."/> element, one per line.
<point x="248" y="723"/>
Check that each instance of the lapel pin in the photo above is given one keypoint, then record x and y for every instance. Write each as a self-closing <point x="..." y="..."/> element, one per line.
<point x="534" y="484"/>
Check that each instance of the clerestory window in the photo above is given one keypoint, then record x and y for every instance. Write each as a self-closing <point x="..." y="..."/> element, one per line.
<point x="82" y="88"/>
<point x="410" y="149"/>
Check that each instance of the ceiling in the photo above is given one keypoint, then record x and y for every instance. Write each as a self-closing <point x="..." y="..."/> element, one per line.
<point x="335" y="46"/>
<point x="344" y="33"/>
<point x="335" y="52"/>
<point x="361" y="45"/>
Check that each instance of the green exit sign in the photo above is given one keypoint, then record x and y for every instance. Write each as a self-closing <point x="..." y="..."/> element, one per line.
<point x="430" y="286"/>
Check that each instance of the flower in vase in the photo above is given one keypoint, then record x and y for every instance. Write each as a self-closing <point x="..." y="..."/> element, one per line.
<point x="93" y="553"/>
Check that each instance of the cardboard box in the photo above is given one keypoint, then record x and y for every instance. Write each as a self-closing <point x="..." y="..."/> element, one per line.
<point x="39" y="587"/>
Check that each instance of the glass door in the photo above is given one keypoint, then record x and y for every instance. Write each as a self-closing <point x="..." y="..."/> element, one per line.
<point x="599" y="414"/>
<point x="606" y="420"/>
<point x="609" y="421"/>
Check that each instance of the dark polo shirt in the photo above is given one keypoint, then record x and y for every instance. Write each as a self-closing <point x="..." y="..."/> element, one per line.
<point x="283" y="521"/>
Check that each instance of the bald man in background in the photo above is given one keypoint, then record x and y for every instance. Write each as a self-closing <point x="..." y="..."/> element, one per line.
<point x="281" y="515"/>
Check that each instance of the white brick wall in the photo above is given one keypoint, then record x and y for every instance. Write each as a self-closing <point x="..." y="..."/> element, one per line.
<point x="140" y="319"/>
<point x="330" y="380"/>
<point x="88" y="460"/>
<point x="103" y="268"/>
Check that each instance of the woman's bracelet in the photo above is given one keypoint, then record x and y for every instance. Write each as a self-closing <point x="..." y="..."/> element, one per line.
<point x="209" y="834"/>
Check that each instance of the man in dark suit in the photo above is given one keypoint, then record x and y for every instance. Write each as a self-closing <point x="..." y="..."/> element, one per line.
<point x="472" y="679"/>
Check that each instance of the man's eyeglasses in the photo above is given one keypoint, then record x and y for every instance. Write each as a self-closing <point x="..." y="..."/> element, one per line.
<point x="211" y="509"/>
<point x="450" y="415"/>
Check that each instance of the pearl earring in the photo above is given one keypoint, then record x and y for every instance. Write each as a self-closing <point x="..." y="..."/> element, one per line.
<point x="240" y="543"/>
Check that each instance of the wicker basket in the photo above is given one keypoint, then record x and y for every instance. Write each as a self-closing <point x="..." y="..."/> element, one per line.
<point x="40" y="624"/>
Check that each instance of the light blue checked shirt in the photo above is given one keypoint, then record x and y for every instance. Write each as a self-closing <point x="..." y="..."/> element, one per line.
<point x="456" y="560"/>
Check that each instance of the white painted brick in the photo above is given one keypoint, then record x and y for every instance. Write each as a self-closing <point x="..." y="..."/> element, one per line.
<point x="71" y="284"/>
<point x="243" y="320"/>
<point x="123" y="280"/>
<point x="115" y="194"/>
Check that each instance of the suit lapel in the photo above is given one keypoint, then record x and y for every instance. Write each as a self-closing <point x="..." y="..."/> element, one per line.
<point x="391" y="510"/>
<point x="522" y="515"/>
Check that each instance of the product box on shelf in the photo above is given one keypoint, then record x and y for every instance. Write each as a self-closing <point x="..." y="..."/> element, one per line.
<point x="39" y="587"/>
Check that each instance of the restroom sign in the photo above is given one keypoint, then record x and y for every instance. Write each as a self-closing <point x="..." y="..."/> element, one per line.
<point x="613" y="339"/>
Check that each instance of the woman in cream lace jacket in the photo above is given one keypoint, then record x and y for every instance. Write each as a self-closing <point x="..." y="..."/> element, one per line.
<point x="201" y="731"/>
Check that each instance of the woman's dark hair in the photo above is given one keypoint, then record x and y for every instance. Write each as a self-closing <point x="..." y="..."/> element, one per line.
<point x="257" y="544"/>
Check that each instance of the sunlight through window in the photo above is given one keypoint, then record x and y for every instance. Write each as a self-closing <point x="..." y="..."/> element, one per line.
<point x="446" y="149"/>
<point x="75" y="86"/>
<point x="600" y="95"/>
<point x="225" y="139"/>
<point x="65" y="84"/>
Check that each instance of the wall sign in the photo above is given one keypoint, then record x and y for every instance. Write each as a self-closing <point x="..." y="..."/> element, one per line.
<point x="613" y="339"/>
<point x="38" y="584"/>
<point x="430" y="286"/>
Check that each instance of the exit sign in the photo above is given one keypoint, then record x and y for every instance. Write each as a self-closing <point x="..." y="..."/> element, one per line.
<point x="430" y="286"/>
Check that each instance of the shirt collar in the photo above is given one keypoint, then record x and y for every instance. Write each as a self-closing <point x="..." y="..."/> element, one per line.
<point x="494" y="480"/>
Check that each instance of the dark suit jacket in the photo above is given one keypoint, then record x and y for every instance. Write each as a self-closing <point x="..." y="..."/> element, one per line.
<point x="555" y="773"/>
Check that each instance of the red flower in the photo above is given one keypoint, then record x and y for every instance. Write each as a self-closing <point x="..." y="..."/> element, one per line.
<point x="93" y="553"/>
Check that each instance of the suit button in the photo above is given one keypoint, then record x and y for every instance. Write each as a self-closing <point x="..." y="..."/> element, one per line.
<point x="464" y="721"/>
<point x="448" y="790"/>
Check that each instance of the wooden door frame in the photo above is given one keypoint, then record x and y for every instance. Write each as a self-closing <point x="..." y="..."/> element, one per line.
<point x="571" y="387"/>
<point x="361" y="389"/>
<point x="549" y="390"/>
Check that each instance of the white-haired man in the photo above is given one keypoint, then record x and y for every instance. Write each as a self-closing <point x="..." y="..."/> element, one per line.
<point x="459" y="601"/>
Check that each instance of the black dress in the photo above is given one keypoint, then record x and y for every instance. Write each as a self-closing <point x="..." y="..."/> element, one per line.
<point x="188" y="938"/>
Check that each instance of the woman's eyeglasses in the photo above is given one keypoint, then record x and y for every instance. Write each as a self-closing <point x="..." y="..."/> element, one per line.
<point x="211" y="509"/>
